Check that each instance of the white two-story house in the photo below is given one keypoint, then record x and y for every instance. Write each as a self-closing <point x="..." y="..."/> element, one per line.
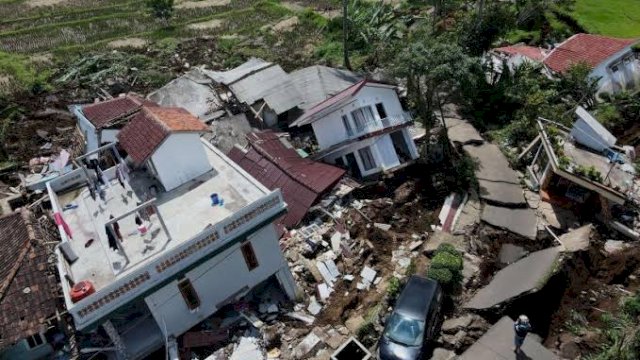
<point x="159" y="242"/>
<point x="362" y="128"/>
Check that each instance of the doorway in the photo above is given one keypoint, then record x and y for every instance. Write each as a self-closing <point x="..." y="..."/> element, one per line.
<point x="352" y="165"/>
<point x="401" y="146"/>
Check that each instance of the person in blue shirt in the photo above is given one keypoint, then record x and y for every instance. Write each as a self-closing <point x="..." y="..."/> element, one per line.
<point x="522" y="328"/>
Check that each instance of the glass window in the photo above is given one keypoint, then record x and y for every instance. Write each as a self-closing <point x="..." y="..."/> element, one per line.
<point x="189" y="294"/>
<point x="367" y="158"/>
<point x="382" y="113"/>
<point x="358" y="118"/>
<point x="249" y="256"/>
<point x="404" y="330"/>
<point x="347" y="125"/>
<point x="34" y="341"/>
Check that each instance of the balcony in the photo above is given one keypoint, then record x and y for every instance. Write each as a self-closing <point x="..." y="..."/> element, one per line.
<point x="375" y="125"/>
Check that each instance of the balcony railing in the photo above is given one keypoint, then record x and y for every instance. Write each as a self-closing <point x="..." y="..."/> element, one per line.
<point x="375" y="125"/>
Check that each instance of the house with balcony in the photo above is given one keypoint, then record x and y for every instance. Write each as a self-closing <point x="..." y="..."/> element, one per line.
<point x="158" y="242"/>
<point x="363" y="129"/>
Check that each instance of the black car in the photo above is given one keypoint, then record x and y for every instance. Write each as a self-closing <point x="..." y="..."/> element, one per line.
<point x="415" y="320"/>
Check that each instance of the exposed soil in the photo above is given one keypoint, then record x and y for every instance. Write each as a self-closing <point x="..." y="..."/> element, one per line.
<point x="201" y="4"/>
<point x="136" y="43"/>
<point x="41" y="3"/>
<point x="206" y="25"/>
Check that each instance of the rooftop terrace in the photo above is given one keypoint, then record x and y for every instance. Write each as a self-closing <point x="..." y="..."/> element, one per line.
<point x="186" y="211"/>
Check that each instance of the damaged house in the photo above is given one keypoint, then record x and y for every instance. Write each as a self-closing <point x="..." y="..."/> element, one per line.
<point x="362" y="128"/>
<point x="28" y="291"/>
<point x="272" y="160"/>
<point x="100" y="122"/>
<point x="582" y="168"/>
<point x="148" y="244"/>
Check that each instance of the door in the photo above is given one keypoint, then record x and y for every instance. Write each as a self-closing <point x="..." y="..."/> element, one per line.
<point x="352" y="164"/>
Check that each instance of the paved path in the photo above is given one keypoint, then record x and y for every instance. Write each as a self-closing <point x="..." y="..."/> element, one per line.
<point x="497" y="344"/>
<point x="499" y="185"/>
<point x="524" y="276"/>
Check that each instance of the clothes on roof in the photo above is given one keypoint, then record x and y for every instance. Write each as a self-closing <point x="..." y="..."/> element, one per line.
<point x="27" y="290"/>
<point x="278" y="165"/>
<point x="103" y="114"/>
<point x="151" y="126"/>
<point x="585" y="48"/>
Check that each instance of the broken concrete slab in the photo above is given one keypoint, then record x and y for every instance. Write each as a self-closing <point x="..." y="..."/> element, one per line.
<point x="510" y="253"/>
<point x="309" y="344"/>
<point x="368" y="275"/>
<point x="497" y="344"/>
<point x="452" y="326"/>
<point x="302" y="317"/>
<point x="557" y="217"/>
<point x="385" y="227"/>
<point x="493" y="165"/>
<point x="578" y="239"/>
<point x="462" y="132"/>
<point x="354" y="323"/>
<point x="499" y="193"/>
<point x="314" y="307"/>
<point x="615" y="246"/>
<point x="518" y="221"/>
<point x="443" y="354"/>
<point x="440" y="237"/>
<point x="525" y="276"/>
<point x="248" y="348"/>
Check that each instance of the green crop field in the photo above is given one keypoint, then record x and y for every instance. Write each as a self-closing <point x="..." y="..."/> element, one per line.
<point x="618" y="18"/>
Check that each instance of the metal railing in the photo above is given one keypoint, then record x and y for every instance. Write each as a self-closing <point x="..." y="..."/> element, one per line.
<point x="375" y="124"/>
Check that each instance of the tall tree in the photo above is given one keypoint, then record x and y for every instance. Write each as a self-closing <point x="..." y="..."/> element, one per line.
<point x="345" y="33"/>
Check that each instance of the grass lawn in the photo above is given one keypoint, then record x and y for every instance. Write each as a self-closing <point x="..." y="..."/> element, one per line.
<point x="618" y="18"/>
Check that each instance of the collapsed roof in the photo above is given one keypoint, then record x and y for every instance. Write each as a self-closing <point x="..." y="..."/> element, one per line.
<point x="276" y="165"/>
<point x="318" y="83"/>
<point x="105" y="113"/>
<point x="27" y="290"/>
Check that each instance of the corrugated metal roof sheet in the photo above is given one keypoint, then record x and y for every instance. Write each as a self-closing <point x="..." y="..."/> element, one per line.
<point x="318" y="83"/>
<point x="230" y="76"/>
<point x="302" y="181"/>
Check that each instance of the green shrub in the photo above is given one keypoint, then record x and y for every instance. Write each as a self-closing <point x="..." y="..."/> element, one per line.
<point x="631" y="306"/>
<point x="447" y="248"/>
<point x="394" y="288"/>
<point x="443" y="276"/>
<point x="445" y="260"/>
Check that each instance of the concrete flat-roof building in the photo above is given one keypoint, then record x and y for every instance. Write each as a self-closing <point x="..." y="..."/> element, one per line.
<point x="148" y="245"/>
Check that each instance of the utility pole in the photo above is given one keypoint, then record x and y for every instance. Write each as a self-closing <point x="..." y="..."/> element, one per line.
<point x="345" y="36"/>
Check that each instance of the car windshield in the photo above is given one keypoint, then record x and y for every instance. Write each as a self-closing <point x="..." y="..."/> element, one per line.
<point x="404" y="330"/>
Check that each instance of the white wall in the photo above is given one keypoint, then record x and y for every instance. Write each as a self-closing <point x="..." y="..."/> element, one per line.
<point x="329" y="130"/>
<point x="386" y="152"/>
<point x="87" y="129"/>
<point x="108" y="135"/>
<point x="179" y="159"/>
<point x="215" y="280"/>
<point x="628" y="72"/>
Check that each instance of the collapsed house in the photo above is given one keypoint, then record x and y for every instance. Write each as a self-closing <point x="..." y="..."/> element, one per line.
<point x="582" y="168"/>
<point x="100" y="122"/>
<point x="362" y="128"/>
<point x="28" y="291"/>
<point x="272" y="160"/>
<point x="149" y="241"/>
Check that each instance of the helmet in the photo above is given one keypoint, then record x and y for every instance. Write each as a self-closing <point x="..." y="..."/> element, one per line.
<point x="523" y="319"/>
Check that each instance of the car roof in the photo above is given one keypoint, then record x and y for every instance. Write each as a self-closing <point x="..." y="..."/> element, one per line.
<point x="416" y="297"/>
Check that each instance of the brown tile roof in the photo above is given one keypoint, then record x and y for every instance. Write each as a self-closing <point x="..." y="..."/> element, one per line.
<point x="584" y="48"/>
<point x="104" y="113"/>
<point x="151" y="126"/>
<point x="532" y="52"/>
<point x="27" y="291"/>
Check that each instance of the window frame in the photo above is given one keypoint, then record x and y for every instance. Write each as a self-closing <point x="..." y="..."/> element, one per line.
<point x="37" y="339"/>
<point x="187" y="290"/>
<point x="367" y="158"/>
<point x="249" y="255"/>
<point x="347" y="125"/>
<point x="379" y="106"/>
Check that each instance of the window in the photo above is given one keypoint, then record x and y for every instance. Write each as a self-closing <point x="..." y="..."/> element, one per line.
<point x="362" y="116"/>
<point x="249" y="256"/>
<point x="367" y="158"/>
<point x="382" y="113"/>
<point x="35" y="341"/>
<point x="614" y="68"/>
<point x="347" y="125"/>
<point x="189" y="294"/>
<point x="340" y="162"/>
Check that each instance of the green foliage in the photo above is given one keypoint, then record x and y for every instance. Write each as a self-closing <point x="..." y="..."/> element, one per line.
<point x="461" y="175"/>
<point x="577" y="85"/>
<point x="564" y="162"/>
<point x="589" y="172"/>
<point x="631" y="306"/>
<point x="161" y="9"/>
<point x="367" y="334"/>
<point x="616" y="18"/>
<point x="393" y="290"/>
<point x="447" y="248"/>
<point x="446" y="267"/>
<point x="479" y="31"/>
<point x="17" y="74"/>
<point x="443" y="276"/>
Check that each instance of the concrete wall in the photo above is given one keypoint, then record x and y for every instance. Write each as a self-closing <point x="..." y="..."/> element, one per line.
<point x="180" y="159"/>
<point x="215" y="281"/>
<point x="108" y="136"/>
<point x="329" y="130"/>
<point x="627" y="76"/>
<point x="87" y="129"/>
<point x="22" y="351"/>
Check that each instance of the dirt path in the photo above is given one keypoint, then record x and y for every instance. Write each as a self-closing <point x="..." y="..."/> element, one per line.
<point x="199" y="4"/>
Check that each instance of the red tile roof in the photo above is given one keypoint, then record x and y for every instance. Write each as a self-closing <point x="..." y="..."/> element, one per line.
<point x="302" y="181"/>
<point x="104" y="113"/>
<point x="27" y="289"/>
<point x="584" y="48"/>
<point x="151" y="126"/>
<point x="532" y="52"/>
